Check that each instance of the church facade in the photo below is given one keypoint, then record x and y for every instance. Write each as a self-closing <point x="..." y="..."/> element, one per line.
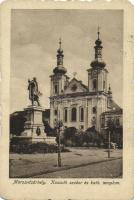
<point x="76" y="104"/>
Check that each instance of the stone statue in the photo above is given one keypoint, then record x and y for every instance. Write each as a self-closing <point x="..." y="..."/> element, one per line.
<point x="34" y="93"/>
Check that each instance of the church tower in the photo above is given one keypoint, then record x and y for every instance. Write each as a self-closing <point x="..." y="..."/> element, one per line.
<point x="97" y="85"/>
<point x="97" y="74"/>
<point x="59" y="82"/>
<point x="59" y="79"/>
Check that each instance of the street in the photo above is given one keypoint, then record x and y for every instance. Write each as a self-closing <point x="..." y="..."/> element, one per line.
<point x="108" y="169"/>
<point x="79" y="162"/>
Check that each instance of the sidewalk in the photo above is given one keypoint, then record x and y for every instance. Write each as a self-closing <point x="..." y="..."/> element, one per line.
<point x="28" y="165"/>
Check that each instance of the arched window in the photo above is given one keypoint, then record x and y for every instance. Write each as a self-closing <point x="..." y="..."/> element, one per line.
<point x="103" y="85"/>
<point x="102" y="122"/>
<point x="65" y="114"/>
<point x="94" y="84"/>
<point x="56" y="89"/>
<point x="55" y="112"/>
<point x="74" y="114"/>
<point x="81" y="114"/>
<point x="117" y="122"/>
<point x="94" y="110"/>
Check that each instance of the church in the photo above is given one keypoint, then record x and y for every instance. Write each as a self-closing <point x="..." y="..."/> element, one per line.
<point x="76" y="104"/>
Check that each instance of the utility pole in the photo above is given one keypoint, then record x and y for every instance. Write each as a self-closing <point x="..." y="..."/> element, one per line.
<point x="58" y="126"/>
<point x="97" y="88"/>
<point x="109" y="141"/>
<point x="110" y="125"/>
<point x="59" y="145"/>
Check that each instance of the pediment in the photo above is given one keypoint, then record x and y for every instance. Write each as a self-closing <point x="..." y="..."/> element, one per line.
<point x="75" y="86"/>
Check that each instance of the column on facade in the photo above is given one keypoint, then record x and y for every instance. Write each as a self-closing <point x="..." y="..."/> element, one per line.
<point x="86" y="114"/>
<point x="77" y="116"/>
<point x="51" y="115"/>
<point x="69" y="116"/>
<point x="51" y="93"/>
<point x="89" y="112"/>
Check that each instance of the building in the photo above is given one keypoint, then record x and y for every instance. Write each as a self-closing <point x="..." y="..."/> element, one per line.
<point x="113" y="119"/>
<point x="76" y="104"/>
<point x="114" y="115"/>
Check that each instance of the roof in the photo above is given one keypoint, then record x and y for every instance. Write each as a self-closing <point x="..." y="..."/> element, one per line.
<point x="115" y="109"/>
<point x="83" y="85"/>
<point x="78" y="94"/>
<point x="115" y="106"/>
<point x="111" y="112"/>
<point x="75" y="86"/>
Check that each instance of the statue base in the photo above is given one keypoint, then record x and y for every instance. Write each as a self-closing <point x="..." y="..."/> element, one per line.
<point x="29" y="140"/>
<point x="34" y="127"/>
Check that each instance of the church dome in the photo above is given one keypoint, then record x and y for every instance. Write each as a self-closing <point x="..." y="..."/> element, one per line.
<point x="97" y="63"/>
<point x="59" y="70"/>
<point x="98" y="42"/>
<point x="60" y="51"/>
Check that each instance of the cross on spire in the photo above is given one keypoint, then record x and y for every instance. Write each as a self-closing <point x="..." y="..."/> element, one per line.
<point x="60" y="42"/>
<point x="109" y="87"/>
<point x="98" y="32"/>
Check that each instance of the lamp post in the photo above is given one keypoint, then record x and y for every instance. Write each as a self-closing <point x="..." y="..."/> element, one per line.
<point x="109" y="141"/>
<point x="110" y="126"/>
<point x="59" y="124"/>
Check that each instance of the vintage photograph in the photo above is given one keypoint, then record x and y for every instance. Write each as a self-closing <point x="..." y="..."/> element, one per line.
<point x="66" y="93"/>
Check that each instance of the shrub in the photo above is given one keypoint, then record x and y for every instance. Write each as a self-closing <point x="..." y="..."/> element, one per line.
<point x="35" y="148"/>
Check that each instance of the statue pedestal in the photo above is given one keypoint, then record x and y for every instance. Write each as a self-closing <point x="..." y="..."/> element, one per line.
<point x="34" y="127"/>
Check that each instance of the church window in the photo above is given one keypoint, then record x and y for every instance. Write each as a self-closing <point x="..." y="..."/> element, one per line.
<point x="102" y="122"/>
<point x="109" y="103"/>
<point x="81" y="114"/>
<point x="55" y="112"/>
<point x="65" y="114"/>
<point x="65" y="87"/>
<point x="117" y="122"/>
<point x="94" y="110"/>
<point x="81" y="127"/>
<point x="94" y="84"/>
<point x="103" y="85"/>
<point x="56" y="89"/>
<point x="73" y="114"/>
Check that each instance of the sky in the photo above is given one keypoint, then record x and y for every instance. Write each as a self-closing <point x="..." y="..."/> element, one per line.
<point x="34" y="42"/>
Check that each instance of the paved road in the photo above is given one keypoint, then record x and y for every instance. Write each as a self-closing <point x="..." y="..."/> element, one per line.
<point x="109" y="169"/>
<point x="29" y="165"/>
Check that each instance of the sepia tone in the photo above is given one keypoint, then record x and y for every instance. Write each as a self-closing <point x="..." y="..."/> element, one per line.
<point x="82" y="118"/>
<point x="72" y="142"/>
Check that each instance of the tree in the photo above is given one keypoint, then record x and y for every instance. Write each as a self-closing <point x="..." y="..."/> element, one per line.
<point x="50" y="131"/>
<point x="17" y="124"/>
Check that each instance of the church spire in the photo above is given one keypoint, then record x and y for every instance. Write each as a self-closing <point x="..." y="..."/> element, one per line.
<point x="60" y="69"/>
<point x="98" y="32"/>
<point x="60" y="54"/>
<point x="60" y="43"/>
<point x="98" y="52"/>
<point x="98" y="47"/>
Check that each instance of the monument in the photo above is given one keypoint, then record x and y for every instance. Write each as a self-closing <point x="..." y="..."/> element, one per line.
<point x="34" y="126"/>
